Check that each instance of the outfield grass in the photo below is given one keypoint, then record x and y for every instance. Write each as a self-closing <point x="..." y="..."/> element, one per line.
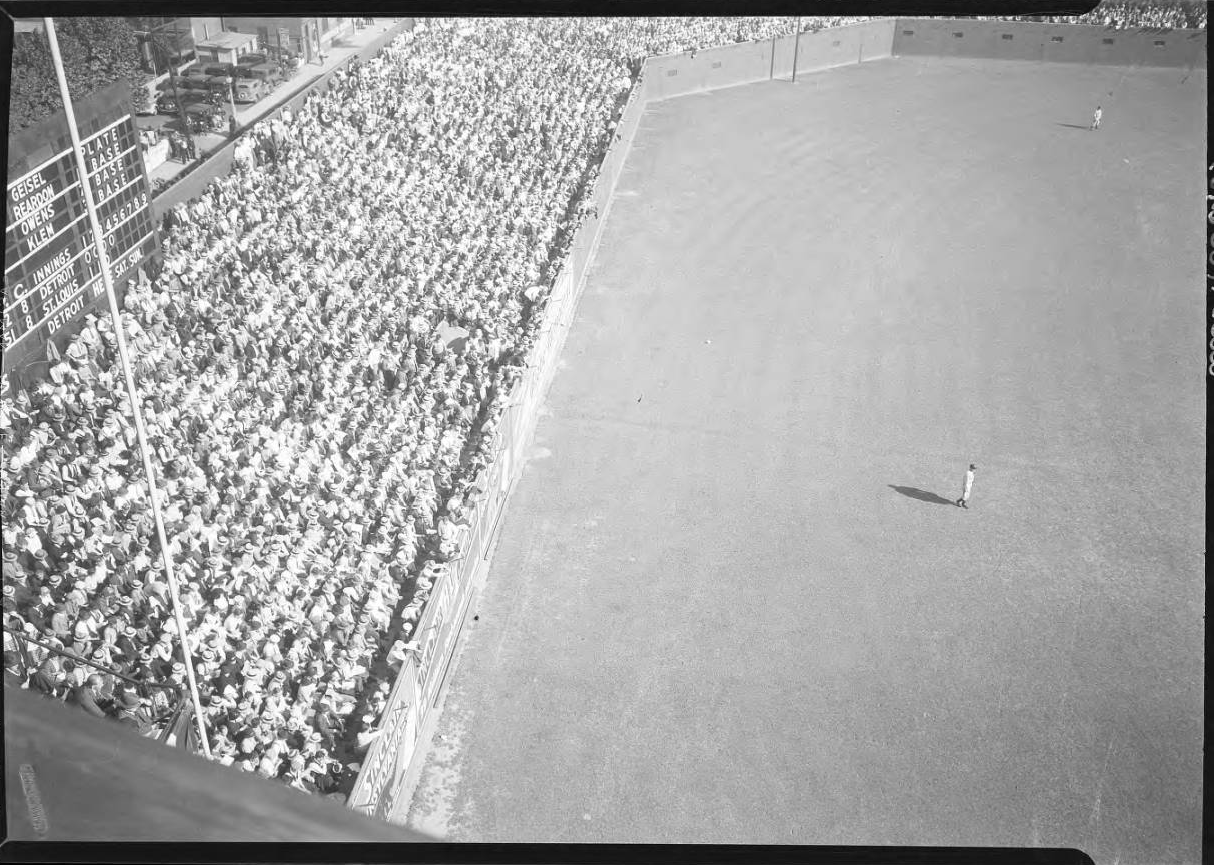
<point x="712" y="617"/>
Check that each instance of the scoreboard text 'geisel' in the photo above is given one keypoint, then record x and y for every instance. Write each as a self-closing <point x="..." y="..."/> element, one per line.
<point x="51" y="273"/>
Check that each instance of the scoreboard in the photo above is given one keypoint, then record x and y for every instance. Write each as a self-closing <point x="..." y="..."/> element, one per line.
<point x="51" y="273"/>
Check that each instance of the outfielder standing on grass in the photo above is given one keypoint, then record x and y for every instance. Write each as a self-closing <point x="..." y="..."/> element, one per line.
<point x="963" y="502"/>
<point x="1096" y="119"/>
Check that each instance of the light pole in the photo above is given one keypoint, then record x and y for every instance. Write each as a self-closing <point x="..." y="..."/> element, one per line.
<point x="796" y="49"/>
<point x="103" y="260"/>
<point x="159" y="45"/>
<point x="234" y="124"/>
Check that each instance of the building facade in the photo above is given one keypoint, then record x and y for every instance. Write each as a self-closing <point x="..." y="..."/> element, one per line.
<point x="305" y="37"/>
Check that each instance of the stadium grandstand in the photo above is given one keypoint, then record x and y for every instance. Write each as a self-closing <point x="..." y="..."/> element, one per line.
<point x="323" y="357"/>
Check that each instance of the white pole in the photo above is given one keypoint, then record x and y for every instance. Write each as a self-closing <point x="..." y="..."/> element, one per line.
<point x="136" y="410"/>
<point x="796" y="50"/>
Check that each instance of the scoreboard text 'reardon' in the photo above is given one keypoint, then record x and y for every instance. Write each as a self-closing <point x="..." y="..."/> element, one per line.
<point x="51" y="272"/>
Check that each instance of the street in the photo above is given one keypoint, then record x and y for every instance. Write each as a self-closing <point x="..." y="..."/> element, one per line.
<point x="209" y="142"/>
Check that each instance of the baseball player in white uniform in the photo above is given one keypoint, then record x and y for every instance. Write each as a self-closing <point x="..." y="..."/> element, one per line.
<point x="1096" y="119"/>
<point x="963" y="502"/>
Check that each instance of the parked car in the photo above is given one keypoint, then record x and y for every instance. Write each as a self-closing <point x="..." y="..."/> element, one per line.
<point x="221" y="70"/>
<point x="250" y="90"/>
<point x="195" y="91"/>
<point x="270" y="74"/>
<point x="194" y="73"/>
<point x="246" y="70"/>
<point x="219" y="87"/>
<point x="250" y="60"/>
<point x="166" y="104"/>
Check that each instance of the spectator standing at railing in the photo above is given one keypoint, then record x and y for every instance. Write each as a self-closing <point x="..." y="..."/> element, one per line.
<point x="88" y="696"/>
<point x="50" y="678"/>
<point x="40" y="613"/>
<point x="14" y="670"/>
<point x="127" y="711"/>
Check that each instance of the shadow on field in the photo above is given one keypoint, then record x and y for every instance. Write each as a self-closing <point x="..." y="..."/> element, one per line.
<point x="922" y="495"/>
<point x="1072" y="126"/>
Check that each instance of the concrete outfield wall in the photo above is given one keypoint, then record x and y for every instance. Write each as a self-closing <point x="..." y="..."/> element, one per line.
<point x="878" y="39"/>
<point x="782" y="50"/>
<point x="1055" y="43"/>
<point x="677" y="74"/>
<point x="843" y="46"/>
<point x="735" y="64"/>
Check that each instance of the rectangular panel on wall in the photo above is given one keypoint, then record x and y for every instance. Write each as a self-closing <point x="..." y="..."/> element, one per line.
<point x="731" y="65"/>
<point x="827" y="49"/>
<point x="607" y="172"/>
<point x="373" y="791"/>
<point x="402" y="731"/>
<point x="630" y="120"/>
<point x="1060" y="48"/>
<point x="580" y="253"/>
<point x="781" y="67"/>
<point x="471" y="548"/>
<point x="484" y="521"/>
<point x="517" y="423"/>
<point x="505" y="478"/>
<point x="654" y="71"/>
<point x="564" y="286"/>
<point x="1125" y="50"/>
<point x="918" y="36"/>
<point x="877" y="39"/>
<point x="683" y="74"/>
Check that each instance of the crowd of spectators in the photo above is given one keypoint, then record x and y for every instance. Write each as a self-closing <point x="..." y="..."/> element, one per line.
<point x="1133" y="14"/>
<point x="323" y="360"/>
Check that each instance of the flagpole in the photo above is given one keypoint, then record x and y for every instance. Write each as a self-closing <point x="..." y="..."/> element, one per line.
<point x="796" y="49"/>
<point x="136" y="409"/>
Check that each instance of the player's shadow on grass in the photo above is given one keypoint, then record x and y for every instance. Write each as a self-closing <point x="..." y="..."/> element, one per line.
<point x="1071" y="126"/>
<point x="921" y="495"/>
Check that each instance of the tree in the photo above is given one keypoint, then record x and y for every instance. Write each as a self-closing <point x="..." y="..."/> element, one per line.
<point x="96" y="53"/>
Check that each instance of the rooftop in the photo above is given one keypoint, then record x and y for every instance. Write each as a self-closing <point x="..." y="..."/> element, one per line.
<point x="226" y="41"/>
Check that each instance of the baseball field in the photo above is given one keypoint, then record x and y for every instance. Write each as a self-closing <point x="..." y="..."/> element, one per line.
<point x="732" y="600"/>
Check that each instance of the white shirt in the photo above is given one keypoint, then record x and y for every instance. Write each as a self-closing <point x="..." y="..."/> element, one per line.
<point x="969" y="480"/>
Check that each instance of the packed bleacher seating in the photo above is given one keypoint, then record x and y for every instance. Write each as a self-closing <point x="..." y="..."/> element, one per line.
<point x="323" y="362"/>
<point x="1133" y="14"/>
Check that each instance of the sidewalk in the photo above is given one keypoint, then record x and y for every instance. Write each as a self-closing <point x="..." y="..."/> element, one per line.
<point x="209" y="142"/>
